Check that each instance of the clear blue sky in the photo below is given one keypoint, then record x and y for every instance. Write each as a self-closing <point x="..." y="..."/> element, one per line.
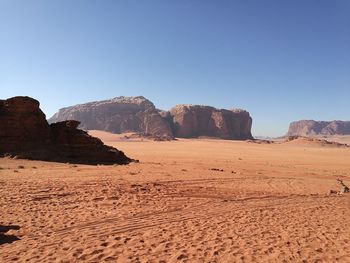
<point x="280" y="60"/>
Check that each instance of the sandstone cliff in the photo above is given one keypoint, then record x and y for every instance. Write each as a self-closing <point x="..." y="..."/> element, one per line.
<point x="314" y="128"/>
<point x="190" y="121"/>
<point x="139" y="115"/>
<point x="25" y="133"/>
<point x="118" y="115"/>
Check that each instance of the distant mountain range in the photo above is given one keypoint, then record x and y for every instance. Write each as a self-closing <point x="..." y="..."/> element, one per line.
<point x="139" y="115"/>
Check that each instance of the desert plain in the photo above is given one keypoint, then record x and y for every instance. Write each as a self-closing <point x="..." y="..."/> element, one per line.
<point x="188" y="200"/>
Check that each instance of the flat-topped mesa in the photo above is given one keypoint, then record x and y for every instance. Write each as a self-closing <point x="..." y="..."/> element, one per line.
<point x="190" y="121"/>
<point x="314" y="128"/>
<point x="119" y="115"/>
<point x="25" y="133"/>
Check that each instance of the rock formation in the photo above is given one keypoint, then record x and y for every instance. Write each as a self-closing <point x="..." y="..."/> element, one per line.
<point x="119" y="115"/>
<point x="25" y="133"/>
<point x="139" y="115"/>
<point x="314" y="128"/>
<point x="190" y="121"/>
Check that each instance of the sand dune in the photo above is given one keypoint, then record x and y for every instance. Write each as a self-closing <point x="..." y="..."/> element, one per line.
<point x="318" y="142"/>
<point x="338" y="138"/>
<point x="111" y="137"/>
<point x="186" y="201"/>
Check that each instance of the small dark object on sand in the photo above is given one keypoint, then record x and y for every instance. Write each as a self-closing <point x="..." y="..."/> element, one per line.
<point x="216" y="169"/>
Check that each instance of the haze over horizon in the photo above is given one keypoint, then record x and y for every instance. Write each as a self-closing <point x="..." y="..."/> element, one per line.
<point x="280" y="60"/>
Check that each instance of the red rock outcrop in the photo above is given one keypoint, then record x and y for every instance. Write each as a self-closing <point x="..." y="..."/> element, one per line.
<point x="190" y="121"/>
<point x="25" y="133"/>
<point x="314" y="128"/>
<point x="22" y="124"/>
<point x="118" y="115"/>
<point x="139" y="115"/>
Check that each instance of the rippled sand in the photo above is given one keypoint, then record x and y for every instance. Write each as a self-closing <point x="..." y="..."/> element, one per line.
<point x="186" y="201"/>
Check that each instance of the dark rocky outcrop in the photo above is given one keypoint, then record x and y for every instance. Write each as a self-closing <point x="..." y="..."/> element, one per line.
<point x="118" y="115"/>
<point x="314" y="128"/>
<point x="190" y="121"/>
<point x="139" y="115"/>
<point x="22" y="124"/>
<point x="25" y="133"/>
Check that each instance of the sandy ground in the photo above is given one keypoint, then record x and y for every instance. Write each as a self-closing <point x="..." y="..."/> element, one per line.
<point x="186" y="201"/>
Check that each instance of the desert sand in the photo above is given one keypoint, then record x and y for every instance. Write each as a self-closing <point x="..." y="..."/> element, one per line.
<point x="337" y="138"/>
<point x="199" y="200"/>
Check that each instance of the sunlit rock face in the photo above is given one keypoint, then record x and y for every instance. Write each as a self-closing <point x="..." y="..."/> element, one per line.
<point x="118" y="115"/>
<point x="190" y="121"/>
<point x="139" y="115"/>
<point x="313" y="128"/>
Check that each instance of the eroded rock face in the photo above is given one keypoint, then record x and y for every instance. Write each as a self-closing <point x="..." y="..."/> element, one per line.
<point x="314" y="128"/>
<point x="25" y="133"/>
<point x="118" y="115"/>
<point x="190" y="121"/>
<point x="139" y="115"/>
<point x="22" y="123"/>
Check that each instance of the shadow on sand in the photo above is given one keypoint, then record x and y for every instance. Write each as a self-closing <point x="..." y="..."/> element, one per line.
<point x="6" y="239"/>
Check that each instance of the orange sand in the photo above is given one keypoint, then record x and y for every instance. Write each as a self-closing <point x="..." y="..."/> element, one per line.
<point x="269" y="204"/>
